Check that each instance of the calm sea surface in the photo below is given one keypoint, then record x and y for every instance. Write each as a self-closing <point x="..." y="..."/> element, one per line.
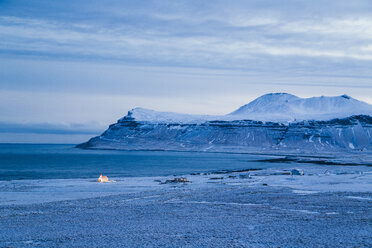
<point x="26" y="161"/>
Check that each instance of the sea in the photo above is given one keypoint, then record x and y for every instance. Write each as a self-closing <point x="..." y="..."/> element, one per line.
<point x="56" y="161"/>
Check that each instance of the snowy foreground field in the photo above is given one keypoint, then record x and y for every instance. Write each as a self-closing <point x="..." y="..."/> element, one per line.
<point x="329" y="206"/>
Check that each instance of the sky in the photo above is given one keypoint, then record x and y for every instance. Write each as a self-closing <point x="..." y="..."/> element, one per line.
<point x="70" y="68"/>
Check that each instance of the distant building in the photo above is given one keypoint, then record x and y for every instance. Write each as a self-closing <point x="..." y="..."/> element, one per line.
<point x="102" y="179"/>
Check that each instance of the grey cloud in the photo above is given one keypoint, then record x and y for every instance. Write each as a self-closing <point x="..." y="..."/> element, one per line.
<point x="47" y="128"/>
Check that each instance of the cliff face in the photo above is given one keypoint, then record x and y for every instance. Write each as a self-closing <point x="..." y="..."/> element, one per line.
<point x="346" y="134"/>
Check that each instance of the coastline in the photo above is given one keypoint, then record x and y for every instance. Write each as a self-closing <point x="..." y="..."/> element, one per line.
<point x="347" y="157"/>
<point x="232" y="200"/>
<point x="317" y="178"/>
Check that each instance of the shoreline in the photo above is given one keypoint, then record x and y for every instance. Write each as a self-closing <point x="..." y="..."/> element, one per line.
<point x="319" y="178"/>
<point x="329" y="158"/>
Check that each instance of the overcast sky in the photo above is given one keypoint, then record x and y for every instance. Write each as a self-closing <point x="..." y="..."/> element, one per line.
<point x="70" y="68"/>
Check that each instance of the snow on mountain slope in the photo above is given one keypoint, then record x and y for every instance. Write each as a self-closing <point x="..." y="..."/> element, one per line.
<point x="287" y="107"/>
<point x="269" y="103"/>
<point x="148" y="115"/>
<point x="274" y="107"/>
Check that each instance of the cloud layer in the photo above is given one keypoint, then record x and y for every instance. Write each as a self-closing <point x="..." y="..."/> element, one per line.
<point x="184" y="34"/>
<point x="64" y="62"/>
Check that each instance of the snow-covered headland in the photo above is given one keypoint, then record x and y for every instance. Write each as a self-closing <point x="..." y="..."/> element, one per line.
<point x="276" y="123"/>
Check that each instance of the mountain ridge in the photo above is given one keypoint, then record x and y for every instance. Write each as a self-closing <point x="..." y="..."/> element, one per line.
<point x="273" y="107"/>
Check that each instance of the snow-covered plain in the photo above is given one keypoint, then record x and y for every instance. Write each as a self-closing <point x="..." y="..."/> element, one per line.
<point x="318" y="178"/>
<point x="329" y="206"/>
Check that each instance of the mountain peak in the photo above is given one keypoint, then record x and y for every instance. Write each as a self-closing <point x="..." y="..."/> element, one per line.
<point x="283" y="106"/>
<point x="266" y="103"/>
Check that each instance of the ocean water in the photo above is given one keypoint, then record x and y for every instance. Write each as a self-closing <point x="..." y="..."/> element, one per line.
<point x="35" y="161"/>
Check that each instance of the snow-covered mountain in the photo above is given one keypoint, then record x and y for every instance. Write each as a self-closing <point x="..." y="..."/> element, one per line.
<point x="286" y="107"/>
<point x="274" y="107"/>
<point x="271" y="122"/>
